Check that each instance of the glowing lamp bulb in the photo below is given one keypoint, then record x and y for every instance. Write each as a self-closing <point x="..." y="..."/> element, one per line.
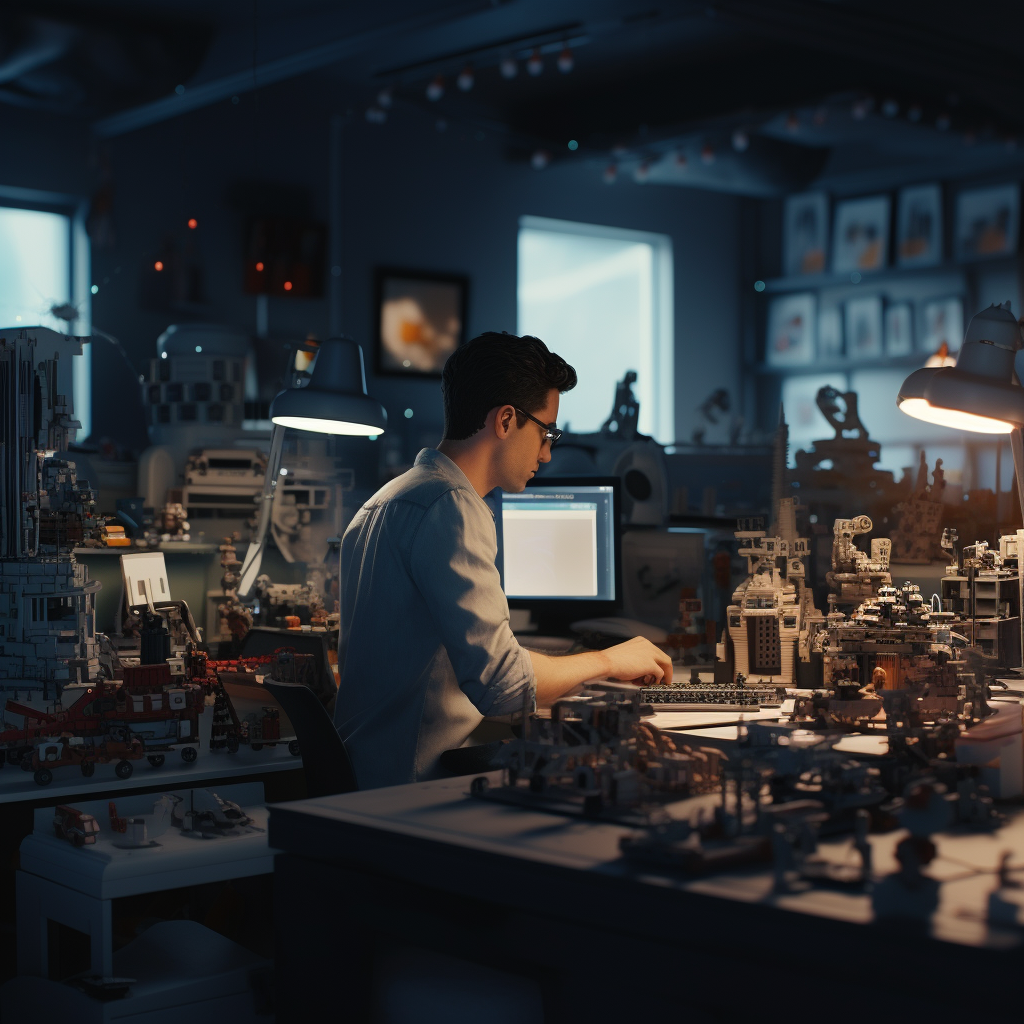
<point x="535" y="65"/>
<point x="565" y="61"/>
<point x="922" y="409"/>
<point x="465" y="79"/>
<point x="436" y="89"/>
<point x="193" y="223"/>
<point x="158" y="265"/>
<point x="509" y="68"/>
<point x="287" y="286"/>
<point x="259" y="267"/>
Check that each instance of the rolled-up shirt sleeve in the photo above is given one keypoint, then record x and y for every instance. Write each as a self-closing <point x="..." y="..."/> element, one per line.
<point x="452" y="562"/>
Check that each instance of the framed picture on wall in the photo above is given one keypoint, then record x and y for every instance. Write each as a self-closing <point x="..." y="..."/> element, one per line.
<point x="421" y="320"/>
<point x="919" y="226"/>
<point x="830" y="333"/>
<point x="942" y="323"/>
<point x="864" y="328"/>
<point x="792" y="320"/>
<point x="805" y="234"/>
<point x="987" y="222"/>
<point x="899" y="329"/>
<point x="860" y="240"/>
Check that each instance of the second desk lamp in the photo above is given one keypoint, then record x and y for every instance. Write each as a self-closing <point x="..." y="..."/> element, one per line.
<point x="334" y="401"/>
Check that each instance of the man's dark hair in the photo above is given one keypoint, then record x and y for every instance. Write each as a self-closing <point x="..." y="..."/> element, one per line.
<point x="499" y="369"/>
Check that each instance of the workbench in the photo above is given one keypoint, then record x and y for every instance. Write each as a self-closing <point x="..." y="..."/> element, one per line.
<point x="549" y="898"/>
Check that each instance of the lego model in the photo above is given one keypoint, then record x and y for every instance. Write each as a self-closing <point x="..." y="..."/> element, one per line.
<point x="77" y="827"/>
<point x="145" y="714"/>
<point x="223" y="483"/>
<point x="47" y="601"/>
<point x="772" y="615"/>
<point x="595" y="757"/>
<point x="245" y="713"/>
<point x="842" y="470"/>
<point x="982" y="590"/>
<point x="916" y="537"/>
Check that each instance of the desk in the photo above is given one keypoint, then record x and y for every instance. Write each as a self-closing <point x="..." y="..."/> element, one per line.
<point x="549" y="897"/>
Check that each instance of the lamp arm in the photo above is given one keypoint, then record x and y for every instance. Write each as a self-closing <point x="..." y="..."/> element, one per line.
<point x="254" y="556"/>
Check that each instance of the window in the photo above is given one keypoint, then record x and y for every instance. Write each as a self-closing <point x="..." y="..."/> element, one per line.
<point x="44" y="263"/>
<point x="602" y="298"/>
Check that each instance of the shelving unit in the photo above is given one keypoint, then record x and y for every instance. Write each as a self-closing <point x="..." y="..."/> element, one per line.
<point x="870" y="278"/>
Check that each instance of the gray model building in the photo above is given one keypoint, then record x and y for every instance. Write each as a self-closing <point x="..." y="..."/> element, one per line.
<point x="47" y="601"/>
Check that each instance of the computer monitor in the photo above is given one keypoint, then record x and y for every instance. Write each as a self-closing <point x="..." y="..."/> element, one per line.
<point x="559" y="549"/>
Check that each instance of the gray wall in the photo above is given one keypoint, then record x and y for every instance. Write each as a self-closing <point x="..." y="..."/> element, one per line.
<point x="410" y="196"/>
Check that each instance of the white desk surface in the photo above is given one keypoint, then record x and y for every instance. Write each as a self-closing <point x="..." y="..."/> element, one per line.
<point x="443" y="812"/>
<point x="105" y="871"/>
<point x="69" y="783"/>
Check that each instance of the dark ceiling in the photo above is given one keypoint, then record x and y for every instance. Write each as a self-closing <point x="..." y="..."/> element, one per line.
<point x="756" y="96"/>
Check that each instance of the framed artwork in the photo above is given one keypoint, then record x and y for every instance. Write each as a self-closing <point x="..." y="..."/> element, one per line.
<point x="987" y="222"/>
<point x="830" y="333"/>
<point x="919" y="226"/>
<point x="791" y="327"/>
<point x="864" y="328"/>
<point x="860" y="239"/>
<point x="942" y="322"/>
<point x="805" y="234"/>
<point x="421" y="320"/>
<point x="899" y="329"/>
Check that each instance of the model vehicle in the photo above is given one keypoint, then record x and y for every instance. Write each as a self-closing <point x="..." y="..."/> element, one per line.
<point x="74" y="825"/>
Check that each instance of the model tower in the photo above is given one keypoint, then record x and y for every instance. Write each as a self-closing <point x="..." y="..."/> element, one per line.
<point x="47" y="601"/>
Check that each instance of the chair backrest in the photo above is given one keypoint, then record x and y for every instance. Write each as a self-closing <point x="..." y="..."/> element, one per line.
<point x="324" y="757"/>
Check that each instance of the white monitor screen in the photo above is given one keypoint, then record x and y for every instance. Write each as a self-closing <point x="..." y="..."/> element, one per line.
<point x="558" y="542"/>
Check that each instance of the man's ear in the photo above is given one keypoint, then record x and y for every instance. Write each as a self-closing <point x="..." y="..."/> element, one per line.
<point x="503" y="419"/>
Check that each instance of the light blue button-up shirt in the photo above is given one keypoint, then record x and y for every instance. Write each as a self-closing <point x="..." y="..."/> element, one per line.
<point x="426" y="648"/>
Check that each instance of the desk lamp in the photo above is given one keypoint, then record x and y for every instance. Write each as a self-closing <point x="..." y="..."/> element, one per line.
<point x="981" y="392"/>
<point x="334" y="401"/>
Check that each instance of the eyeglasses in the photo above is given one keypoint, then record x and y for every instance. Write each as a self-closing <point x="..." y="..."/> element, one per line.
<point x="551" y="432"/>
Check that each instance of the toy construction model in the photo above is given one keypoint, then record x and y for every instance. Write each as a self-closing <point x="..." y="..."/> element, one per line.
<point x="772" y="616"/>
<point x="145" y="713"/>
<point x="920" y="517"/>
<point x="47" y="601"/>
<point x="595" y="756"/>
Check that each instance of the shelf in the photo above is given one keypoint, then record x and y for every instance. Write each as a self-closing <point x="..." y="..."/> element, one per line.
<point x="913" y="361"/>
<point x="811" y="282"/>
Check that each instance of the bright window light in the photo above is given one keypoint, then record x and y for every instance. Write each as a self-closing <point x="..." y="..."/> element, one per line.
<point x="36" y="262"/>
<point x="602" y="299"/>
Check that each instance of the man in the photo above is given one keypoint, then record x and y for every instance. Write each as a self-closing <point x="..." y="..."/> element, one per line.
<point x="426" y="647"/>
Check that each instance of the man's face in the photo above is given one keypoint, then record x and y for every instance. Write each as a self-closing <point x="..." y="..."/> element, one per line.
<point x="525" y="448"/>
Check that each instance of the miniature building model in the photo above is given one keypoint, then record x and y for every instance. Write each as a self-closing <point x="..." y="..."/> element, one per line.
<point x="47" y="601"/>
<point x="772" y="615"/>
<point x="982" y="589"/>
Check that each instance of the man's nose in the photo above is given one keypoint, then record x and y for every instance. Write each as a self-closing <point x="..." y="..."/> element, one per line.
<point x="545" y="452"/>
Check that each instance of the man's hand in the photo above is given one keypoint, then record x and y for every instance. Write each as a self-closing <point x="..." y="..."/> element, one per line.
<point x="638" y="660"/>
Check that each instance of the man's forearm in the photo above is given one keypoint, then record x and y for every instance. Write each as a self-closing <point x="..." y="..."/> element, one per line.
<point x="557" y="676"/>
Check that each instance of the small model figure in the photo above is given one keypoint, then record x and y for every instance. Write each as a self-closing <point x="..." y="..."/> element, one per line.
<point x="172" y="523"/>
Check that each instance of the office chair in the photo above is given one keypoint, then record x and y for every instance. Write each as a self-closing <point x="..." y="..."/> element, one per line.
<point x="324" y="757"/>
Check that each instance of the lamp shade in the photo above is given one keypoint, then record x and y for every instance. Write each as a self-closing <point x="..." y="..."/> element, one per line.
<point x="335" y="399"/>
<point x="980" y="393"/>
